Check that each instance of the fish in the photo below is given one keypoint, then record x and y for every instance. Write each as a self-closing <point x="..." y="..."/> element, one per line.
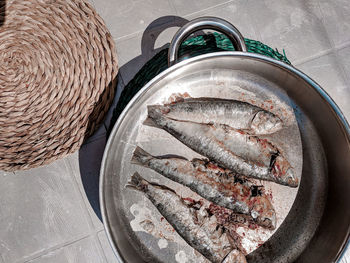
<point x="237" y="150"/>
<point x="236" y="114"/>
<point x="195" y="226"/>
<point x="218" y="185"/>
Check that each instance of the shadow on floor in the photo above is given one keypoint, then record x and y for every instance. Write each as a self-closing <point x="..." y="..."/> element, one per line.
<point x="90" y="154"/>
<point x="90" y="157"/>
<point x="2" y="11"/>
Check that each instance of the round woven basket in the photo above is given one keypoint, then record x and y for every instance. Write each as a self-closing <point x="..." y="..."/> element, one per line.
<point x="58" y="69"/>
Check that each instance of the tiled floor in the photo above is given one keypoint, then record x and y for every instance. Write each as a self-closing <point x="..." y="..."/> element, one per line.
<point x="51" y="214"/>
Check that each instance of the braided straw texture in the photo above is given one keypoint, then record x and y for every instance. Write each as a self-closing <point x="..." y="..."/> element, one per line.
<point x="58" y="70"/>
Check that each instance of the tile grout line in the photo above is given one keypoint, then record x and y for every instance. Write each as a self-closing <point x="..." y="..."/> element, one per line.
<point x="342" y="46"/>
<point x="128" y="36"/>
<point x="318" y="55"/>
<point x="100" y="245"/>
<point x="136" y="33"/>
<point x="53" y="248"/>
<point x="91" y="234"/>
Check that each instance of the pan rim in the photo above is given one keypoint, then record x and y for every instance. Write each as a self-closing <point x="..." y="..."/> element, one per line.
<point x="291" y="69"/>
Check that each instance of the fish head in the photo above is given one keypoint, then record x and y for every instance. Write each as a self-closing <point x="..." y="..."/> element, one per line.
<point x="263" y="212"/>
<point x="292" y="180"/>
<point x="163" y="109"/>
<point x="284" y="173"/>
<point x="265" y="123"/>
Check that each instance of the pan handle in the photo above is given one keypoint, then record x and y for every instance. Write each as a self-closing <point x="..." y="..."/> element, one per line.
<point x="200" y="23"/>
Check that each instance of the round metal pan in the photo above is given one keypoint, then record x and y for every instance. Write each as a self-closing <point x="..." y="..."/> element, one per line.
<point x="317" y="226"/>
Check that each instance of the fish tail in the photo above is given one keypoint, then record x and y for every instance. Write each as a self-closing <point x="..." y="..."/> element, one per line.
<point x="150" y="122"/>
<point x="140" y="157"/>
<point x="154" y="114"/>
<point x="137" y="182"/>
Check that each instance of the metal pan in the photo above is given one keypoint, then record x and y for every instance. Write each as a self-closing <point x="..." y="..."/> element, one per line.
<point x="317" y="224"/>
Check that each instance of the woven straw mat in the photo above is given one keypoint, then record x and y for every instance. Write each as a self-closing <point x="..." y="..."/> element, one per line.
<point x="57" y="73"/>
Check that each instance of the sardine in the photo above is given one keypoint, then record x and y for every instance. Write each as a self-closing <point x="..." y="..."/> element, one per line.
<point x="196" y="227"/>
<point x="236" y="114"/>
<point x="233" y="149"/>
<point x="218" y="185"/>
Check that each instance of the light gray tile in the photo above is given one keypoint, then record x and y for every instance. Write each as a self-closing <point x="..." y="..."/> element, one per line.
<point x="111" y="258"/>
<point x="82" y="251"/>
<point x="344" y="60"/>
<point x="185" y="7"/>
<point x="39" y="208"/>
<point x="335" y="16"/>
<point x="124" y="17"/>
<point x="236" y="13"/>
<point x="289" y="25"/>
<point x="328" y="73"/>
<point x="85" y="166"/>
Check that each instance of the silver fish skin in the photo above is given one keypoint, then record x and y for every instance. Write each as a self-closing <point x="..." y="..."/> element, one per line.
<point x="218" y="185"/>
<point x="233" y="149"/>
<point x="236" y="114"/>
<point x="195" y="226"/>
